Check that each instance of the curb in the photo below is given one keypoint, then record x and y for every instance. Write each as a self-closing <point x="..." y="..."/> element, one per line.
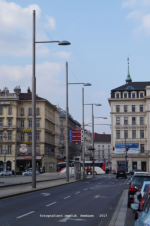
<point x="39" y="189"/>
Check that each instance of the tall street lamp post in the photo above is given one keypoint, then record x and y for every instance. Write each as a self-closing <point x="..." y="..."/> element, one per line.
<point x="67" y="132"/>
<point x="34" y="102"/>
<point x="5" y="151"/>
<point x="93" y="131"/>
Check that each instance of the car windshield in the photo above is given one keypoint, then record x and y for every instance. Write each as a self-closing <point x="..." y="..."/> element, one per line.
<point x="146" y="186"/>
<point x="138" y="181"/>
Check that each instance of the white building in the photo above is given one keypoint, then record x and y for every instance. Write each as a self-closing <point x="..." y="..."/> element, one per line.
<point x="102" y="144"/>
<point x="130" y="119"/>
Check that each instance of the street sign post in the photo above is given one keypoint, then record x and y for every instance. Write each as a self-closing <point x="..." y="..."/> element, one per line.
<point x="75" y="136"/>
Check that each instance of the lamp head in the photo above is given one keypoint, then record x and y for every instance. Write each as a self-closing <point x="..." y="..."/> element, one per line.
<point x="98" y="105"/>
<point x="64" y="43"/>
<point x="87" y="84"/>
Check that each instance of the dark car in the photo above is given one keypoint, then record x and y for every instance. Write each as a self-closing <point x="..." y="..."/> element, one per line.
<point x="135" y="185"/>
<point x="121" y="172"/>
<point x="131" y="172"/>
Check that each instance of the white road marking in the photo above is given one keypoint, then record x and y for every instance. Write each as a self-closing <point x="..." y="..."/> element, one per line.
<point x="45" y="194"/>
<point x="67" y="197"/>
<point x="86" y="182"/>
<point x="25" y="214"/>
<point x="73" y="219"/>
<point x="99" y="196"/>
<point x="91" y="187"/>
<point x="77" y="192"/>
<point x="51" y="203"/>
<point x="86" y="189"/>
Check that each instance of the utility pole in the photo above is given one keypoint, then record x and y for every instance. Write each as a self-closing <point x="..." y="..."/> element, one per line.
<point x="4" y="151"/>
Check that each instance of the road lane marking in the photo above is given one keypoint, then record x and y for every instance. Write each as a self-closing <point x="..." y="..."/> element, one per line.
<point x="99" y="196"/>
<point x="86" y="189"/>
<point x="25" y="214"/>
<point x="91" y="187"/>
<point x="51" y="203"/>
<point x="73" y="219"/>
<point x="77" y="192"/>
<point x="67" y="197"/>
<point x="45" y="194"/>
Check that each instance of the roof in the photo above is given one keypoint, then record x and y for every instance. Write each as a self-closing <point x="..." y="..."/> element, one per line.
<point x="102" y="137"/>
<point x="132" y="86"/>
<point x="28" y="96"/>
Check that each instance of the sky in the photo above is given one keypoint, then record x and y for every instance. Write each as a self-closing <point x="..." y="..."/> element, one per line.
<point x="102" y="35"/>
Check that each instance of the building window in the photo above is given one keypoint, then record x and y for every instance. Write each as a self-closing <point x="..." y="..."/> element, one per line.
<point x="37" y="136"/>
<point x="1" y="150"/>
<point x="118" y="134"/>
<point x="125" y="108"/>
<point x="61" y="123"/>
<point x="126" y="134"/>
<point x="142" y="148"/>
<point x="141" y="95"/>
<point x="9" y="149"/>
<point x="10" y="110"/>
<point x="9" y="122"/>
<point x="133" y="95"/>
<point x="37" y="123"/>
<point x="22" y="136"/>
<point x="1" y="136"/>
<point x="99" y="146"/>
<point x="133" y="121"/>
<point x="22" y="111"/>
<point x="141" y="121"/>
<point x="22" y="124"/>
<point x="61" y="131"/>
<point x="1" y="110"/>
<point x="141" y="108"/>
<point x="30" y="123"/>
<point x="125" y="121"/>
<point x="117" y="108"/>
<point x="118" y="121"/>
<point x="141" y="133"/>
<point x="9" y="136"/>
<point x="1" y="123"/>
<point x="125" y="95"/>
<point x="133" y="134"/>
<point x="117" y="95"/>
<point x="30" y="111"/>
<point x="37" y="111"/>
<point x="133" y="108"/>
<point x="29" y="136"/>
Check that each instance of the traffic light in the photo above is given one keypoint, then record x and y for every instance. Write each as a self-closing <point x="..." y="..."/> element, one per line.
<point x="127" y="148"/>
<point x="92" y="162"/>
<point x="113" y="148"/>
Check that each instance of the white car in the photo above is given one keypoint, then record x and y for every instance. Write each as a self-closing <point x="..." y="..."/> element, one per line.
<point x="146" y="173"/>
<point x="5" y="173"/>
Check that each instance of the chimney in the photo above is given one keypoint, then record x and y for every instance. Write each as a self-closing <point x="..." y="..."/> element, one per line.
<point x="28" y="90"/>
<point x="103" y="132"/>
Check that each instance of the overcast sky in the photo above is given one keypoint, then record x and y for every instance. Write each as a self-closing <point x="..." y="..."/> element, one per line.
<point x="102" y="35"/>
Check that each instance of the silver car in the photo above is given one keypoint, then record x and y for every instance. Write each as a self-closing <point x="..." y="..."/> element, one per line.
<point x="29" y="173"/>
<point x="5" y="173"/>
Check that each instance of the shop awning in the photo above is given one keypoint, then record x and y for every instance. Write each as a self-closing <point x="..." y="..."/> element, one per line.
<point x="28" y="157"/>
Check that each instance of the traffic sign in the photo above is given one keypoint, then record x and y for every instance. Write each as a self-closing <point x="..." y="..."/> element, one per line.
<point x="23" y="148"/>
<point x="82" y="135"/>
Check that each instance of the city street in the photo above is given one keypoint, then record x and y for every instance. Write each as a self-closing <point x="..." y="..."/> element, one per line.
<point x="90" y="202"/>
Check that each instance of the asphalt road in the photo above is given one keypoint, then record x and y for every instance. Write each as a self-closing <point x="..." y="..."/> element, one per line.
<point x="90" y="202"/>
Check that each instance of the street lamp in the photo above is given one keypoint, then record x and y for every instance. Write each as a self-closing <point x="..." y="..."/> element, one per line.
<point x="4" y="152"/>
<point x="67" y="134"/>
<point x="92" y="132"/>
<point x="34" y="102"/>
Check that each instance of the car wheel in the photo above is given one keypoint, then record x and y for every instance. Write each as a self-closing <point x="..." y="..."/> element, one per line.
<point x="116" y="176"/>
<point x="95" y="173"/>
<point x="129" y="204"/>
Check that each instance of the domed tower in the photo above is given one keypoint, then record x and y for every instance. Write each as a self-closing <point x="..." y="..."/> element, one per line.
<point x="128" y="79"/>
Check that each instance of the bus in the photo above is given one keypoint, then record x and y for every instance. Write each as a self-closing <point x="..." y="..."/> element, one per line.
<point x="99" y="167"/>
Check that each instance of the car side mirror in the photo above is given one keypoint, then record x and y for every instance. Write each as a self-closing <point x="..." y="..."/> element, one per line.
<point x="135" y="206"/>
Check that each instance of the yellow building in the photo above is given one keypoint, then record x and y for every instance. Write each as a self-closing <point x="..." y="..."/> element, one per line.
<point x="16" y="129"/>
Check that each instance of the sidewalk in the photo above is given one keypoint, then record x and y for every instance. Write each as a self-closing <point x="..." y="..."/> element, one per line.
<point x="123" y="216"/>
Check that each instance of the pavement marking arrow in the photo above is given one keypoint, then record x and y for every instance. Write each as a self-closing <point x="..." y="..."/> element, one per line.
<point x="99" y="196"/>
<point x="73" y="219"/>
<point x="45" y="194"/>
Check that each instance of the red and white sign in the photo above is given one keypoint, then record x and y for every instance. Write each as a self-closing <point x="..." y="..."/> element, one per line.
<point x="23" y="148"/>
<point x="76" y="136"/>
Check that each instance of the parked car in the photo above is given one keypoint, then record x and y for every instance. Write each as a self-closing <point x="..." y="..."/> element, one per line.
<point x="135" y="173"/>
<point x="144" y="217"/>
<point x="5" y="173"/>
<point x="121" y="172"/>
<point x="135" y="185"/>
<point x="131" y="172"/>
<point x="141" y="201"/>
<point x="29" y="173"/>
